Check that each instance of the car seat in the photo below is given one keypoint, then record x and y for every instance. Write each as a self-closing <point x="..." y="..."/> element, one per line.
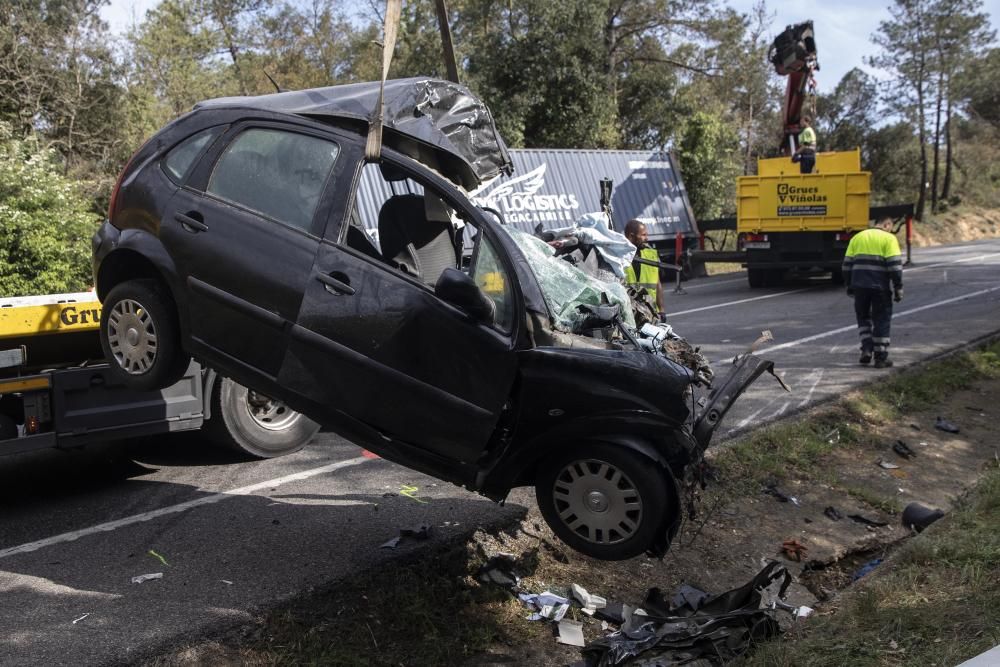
<point x="412" y="243"/>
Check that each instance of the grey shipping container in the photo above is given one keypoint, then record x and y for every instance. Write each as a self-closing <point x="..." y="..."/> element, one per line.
<point x="554" y="187"/>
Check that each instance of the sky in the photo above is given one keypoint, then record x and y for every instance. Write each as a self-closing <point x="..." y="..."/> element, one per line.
<point x="843" y="27"/>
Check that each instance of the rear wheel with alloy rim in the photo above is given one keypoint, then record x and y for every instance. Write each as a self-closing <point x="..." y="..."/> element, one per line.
<point x="603" y="500"/>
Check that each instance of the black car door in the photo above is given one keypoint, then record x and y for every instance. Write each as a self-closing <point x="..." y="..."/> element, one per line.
<point x="244" y="237"/>
<point x="377" y="345"/>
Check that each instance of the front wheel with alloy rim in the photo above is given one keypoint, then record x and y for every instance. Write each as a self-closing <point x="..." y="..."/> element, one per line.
<point x="255" y="424"/>
<point x="140" y="336"/>
<point x="603" y="500"/>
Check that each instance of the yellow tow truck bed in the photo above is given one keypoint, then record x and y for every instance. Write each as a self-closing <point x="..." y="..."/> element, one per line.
<point x="54" y="329"/>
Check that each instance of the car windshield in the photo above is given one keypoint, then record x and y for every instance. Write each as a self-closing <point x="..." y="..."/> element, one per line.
<point x="565" y="286"/>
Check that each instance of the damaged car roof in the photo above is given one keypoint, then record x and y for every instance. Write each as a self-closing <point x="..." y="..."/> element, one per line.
<point x="442" y="115"/>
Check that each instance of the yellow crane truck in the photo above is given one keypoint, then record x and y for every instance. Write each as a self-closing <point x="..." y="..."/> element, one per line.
<point x="56" y="393"/>
<point x="792" y="221"/>
<point x="801" y="209"/>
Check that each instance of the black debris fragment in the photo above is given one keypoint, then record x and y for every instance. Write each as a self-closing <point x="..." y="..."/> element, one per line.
<point x="612" y="612"/>
<point x="833" y="513"/>
<point x="719" y="629"/>
<point x="903" y="449"/>
<point x="917" y="517"/>
<point x="773" y="490"/>
<point x="866" y="521"/>
<point x="944" y="425"/>
<point x="500" y="570"/>
<point x="421" y="532"/>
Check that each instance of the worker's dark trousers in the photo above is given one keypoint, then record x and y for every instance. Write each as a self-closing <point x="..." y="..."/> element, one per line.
<point x="874" y="310"/>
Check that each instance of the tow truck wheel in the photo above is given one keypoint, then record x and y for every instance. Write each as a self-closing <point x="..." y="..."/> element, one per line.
<point x="603" y="500"/>
<point x="756" y="277"/>
<point x="140" y="336"/>
<point x="255" y="424"/>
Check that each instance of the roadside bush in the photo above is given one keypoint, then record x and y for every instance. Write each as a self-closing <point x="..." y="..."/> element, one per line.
<point x="45" y="224"/>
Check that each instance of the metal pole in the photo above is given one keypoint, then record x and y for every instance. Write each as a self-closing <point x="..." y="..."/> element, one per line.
<point x="446" y="44"/>
<point x="909" y="238"/>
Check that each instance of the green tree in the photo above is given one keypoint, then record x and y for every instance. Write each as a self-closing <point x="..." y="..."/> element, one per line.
<point x="45" y="221"/>
<point x="846" y="116"/>
<point x="706" y="151"/>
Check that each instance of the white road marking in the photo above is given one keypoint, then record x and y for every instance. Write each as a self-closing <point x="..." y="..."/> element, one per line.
<point x="710" y="283"/>
<point x="954" y="261"/>
<point x="818" y="372"/>
<point x="780" y="411"/>
<point x="737" y="302"/>
<point x="852" y="327"/>
<point x="747" y="420"/>
<point x="180" y="507"/>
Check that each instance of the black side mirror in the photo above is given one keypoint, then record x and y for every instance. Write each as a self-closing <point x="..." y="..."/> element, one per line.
<point x="461" y="291"/>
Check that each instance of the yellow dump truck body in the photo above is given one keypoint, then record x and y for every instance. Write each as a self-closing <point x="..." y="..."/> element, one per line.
<point x="834" y="198"/>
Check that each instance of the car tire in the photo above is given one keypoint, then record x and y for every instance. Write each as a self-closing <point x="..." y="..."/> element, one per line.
<point x="254" y="424"/>
<point x="603" y="500"/>
<point x="756" y="278"/>
<point x="140" y="336"/>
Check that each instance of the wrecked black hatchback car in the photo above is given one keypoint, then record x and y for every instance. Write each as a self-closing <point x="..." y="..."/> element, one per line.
<point x="235" y="235"/>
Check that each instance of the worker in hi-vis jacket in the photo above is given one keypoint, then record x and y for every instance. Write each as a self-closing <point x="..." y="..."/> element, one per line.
<point x="873" y="272"/>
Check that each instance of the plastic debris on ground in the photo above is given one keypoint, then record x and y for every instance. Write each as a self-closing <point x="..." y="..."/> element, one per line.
<point x="886" y="465"/>
<point x="571" y="632"/>
<point x="140" y="578"/>
<point x="917" y="517"/>
<point x="943" y="424"/>
<point x="718" y="629"/>
<point x="77" y="620"/>
<point x="588" y="601"/>
<point x="866" y="521"/>
<point x="548" y="606"/>
<point x="866" y="568"/>
<point x="833" y="513"/>
<point x="158" y="557"/>
<point x="421" y="532"/>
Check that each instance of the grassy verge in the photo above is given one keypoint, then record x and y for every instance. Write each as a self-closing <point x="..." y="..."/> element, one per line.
<point x="935" y="602"/>
<point x="799" y="447"/>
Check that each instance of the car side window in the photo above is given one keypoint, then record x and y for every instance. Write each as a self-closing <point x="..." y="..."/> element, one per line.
<point x="409" y="227"/>
<point x="493" y="279"/>
<point x="276" y="173"/>
<point x="181" y="157"/>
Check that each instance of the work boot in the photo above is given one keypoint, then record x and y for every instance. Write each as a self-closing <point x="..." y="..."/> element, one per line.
<point x="883" y="363"/>
<point x="866" y="358"/>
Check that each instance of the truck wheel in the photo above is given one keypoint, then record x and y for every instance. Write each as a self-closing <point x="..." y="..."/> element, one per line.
<point x="837" y="277"/>
<point x="755" y="277"/>
<point x="255" y="424"/>
<point x="603" y="500"/>
<point x="140" y="336"/>
<point x="774" y="277"/>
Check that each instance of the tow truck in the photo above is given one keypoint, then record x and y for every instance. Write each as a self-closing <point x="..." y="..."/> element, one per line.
<point x="56" y="391"/>
<point x="792" y="221"/>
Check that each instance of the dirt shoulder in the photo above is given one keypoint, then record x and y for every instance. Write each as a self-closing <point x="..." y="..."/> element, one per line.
<point x="964" y="223"/>
<point x="431" y="611"/>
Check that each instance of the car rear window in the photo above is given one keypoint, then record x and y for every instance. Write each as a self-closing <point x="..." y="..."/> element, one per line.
<point x="276" y="173"/>
<point x="180" y="158"/>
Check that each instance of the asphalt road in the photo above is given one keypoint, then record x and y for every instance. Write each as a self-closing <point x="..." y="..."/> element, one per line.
<point x="236" y="537"/>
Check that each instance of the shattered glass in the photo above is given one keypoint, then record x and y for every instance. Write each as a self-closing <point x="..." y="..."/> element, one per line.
<point x="565" y="287"/>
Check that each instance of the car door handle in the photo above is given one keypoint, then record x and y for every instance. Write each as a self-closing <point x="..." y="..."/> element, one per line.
<point x="336" y="283"/>
<point x="190" y="224"/>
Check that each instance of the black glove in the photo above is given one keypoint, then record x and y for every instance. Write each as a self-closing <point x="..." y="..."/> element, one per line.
<point x="897" y="294"/>
<point x="850" y="291"/>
